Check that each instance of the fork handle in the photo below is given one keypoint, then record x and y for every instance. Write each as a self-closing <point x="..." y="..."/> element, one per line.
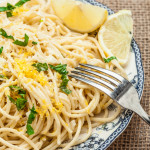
<point x="131" y="101"/>
<point x="141" y="112"/>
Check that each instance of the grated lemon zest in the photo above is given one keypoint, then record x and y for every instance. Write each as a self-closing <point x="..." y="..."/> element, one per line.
<point x="44" y="101"/>
<point x="43" y="138"/>
<point x="90" y="56"/>
<point x="20" y="130"/>
<point x="20" y="51"/>
<point x="4" y="73"/>
<point x="58" y="75"/>
<point x="6" y="66"/>
<point x="67" y="124"/>
<point x="19" y="10"/>
<point x="83" y="61"/>
<point x="25" y="69"/>
<point x="88" y="111"/>
<point x="86" y="102"/>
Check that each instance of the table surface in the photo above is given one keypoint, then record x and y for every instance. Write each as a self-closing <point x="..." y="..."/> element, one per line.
<point x="137" y="134"/>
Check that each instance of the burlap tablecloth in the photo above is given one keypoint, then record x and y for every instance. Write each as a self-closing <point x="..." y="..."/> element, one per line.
<point x="137" y="134"/>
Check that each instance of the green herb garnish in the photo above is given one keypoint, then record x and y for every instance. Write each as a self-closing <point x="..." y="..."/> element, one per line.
<point x="34" y="43"/>
<point x="41" y="66"/>
<point x="109" y="59"/>
<point x="32" y="115"/>
<point x="2" y="76"/>
<point x="63" y="85"/>
<point x="9" y="10"/>
<point x="10" y="7"/>
<point x="20" y="43"/>
<point x="21" y="2"/>
<point x="9" y="14"/>
<point x="31" y="118"/>
<point x="19" y="102"/>
<point x="1" y="49"/>
<point x="15" y="88"/>
<point x="61" y="69"/>
<point x="12" y="100"/>
<point x="3" y="9"/>
<point x="30" y="130"/>
<point x="4" y="34"/>
<point x="18" y="89"/>
<point x="17" y="42"/>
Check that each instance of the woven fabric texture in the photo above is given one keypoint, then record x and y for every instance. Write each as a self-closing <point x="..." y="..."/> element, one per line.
<point x="137" y="134"/>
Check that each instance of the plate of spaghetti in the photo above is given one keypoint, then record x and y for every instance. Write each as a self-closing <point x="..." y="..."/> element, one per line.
<point x="41" y="108"/>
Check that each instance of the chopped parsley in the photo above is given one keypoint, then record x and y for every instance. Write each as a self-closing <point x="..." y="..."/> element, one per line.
<point x="19" y="102"/>
<point x="21" y="2"/>
<point x="41" y="66"/>
<point x="9" y="14"/>
<point x="10" y="7"/>
<point x="109" y="59"/>
<point x="12" y="100"/>
<point x="17" y="42"/>
<point x="3" y="9"/>
<point x="4" y="34"/>
<point x="9" y="10"/>
<point x="34" y="43"/>
<point x="32" y="115"/>
<point x="1" y="49"/>
<point x="18" y="89"/>
<point x="2" y="76"/>
<point x="15" y="88"/>
<point x="64" y="83"/>
<point x="30" y="130"/>
<point x="31" y="118"/>
<point x="61" y="69"/>
<point x="24" y="43"/>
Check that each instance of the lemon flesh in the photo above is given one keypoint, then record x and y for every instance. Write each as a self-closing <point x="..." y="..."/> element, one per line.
<point x="116" y="34"/>
<point x="78" y="16"/>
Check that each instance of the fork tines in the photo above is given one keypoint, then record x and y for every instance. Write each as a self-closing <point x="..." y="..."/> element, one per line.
<point x="107" y="81"/>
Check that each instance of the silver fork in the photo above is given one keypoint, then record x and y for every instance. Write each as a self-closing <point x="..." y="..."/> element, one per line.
<point x="114" y="85"/>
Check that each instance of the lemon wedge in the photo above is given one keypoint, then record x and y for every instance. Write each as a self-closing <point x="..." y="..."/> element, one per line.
<point x="78" y="16"/>
<point x="116" y="34"/>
